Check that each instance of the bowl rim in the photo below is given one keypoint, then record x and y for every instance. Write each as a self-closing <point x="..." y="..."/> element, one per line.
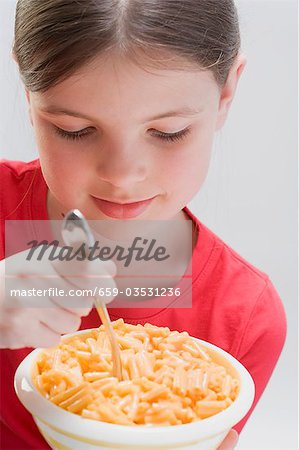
<point x="53" y="416"/>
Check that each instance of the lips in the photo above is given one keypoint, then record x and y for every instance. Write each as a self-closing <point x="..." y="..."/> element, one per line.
<point x="122" y="210"/>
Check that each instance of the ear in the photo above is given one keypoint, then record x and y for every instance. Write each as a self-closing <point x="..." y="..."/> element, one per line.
<point x="229" y="89"/>
<point x="27" y="96"/>
<point x="13" y="55"/>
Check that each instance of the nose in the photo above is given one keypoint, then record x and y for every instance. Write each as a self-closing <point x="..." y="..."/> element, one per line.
<point x="122" y="166"/>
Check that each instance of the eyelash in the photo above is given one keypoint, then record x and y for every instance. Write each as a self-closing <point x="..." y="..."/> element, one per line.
<point x="81" y="134"/>
<point x="73" y="135"/>
<point x="172" y="137"/>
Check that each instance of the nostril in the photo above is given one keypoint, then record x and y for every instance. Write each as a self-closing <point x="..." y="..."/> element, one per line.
<point x="121" y="171"/>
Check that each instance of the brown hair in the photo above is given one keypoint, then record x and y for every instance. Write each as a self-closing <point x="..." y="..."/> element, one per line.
<point x="55" y="38"/>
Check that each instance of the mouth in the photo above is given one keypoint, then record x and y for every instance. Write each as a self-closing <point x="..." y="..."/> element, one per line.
<point x="126" y="210"/>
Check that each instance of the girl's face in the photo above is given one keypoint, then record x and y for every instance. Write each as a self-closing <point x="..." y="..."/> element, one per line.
<point x="116" y="134"/>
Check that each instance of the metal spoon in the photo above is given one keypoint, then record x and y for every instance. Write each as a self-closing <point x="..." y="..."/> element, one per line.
<point x="75" y="230"/>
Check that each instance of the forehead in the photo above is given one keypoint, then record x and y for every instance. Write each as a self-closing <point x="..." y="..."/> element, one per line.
<point x="118" y="84"/>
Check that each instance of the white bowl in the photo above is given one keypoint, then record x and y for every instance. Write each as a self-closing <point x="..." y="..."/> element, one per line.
<point x="64" y="430"/>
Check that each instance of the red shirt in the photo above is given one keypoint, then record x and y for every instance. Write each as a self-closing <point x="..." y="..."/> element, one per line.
<point x="234" y="305"/>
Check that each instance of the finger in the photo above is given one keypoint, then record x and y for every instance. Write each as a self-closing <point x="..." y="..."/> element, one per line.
<point x="110" y="267"/>
<point x="13" y="332"/>
<point x="33" y="261"/>
<point x="60" y="321"/>
<point x="34" y="334"/>
<point x="48" y="293"/>
<point x="85" y="274"/>
<point x="43" y="336"/>
<point x="230" y="441"/>
<point x="78" y="305"/>
<point x="71" y="298"/>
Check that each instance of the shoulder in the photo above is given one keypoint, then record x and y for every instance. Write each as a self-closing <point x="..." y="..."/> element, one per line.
<point x="240" y="297"/>
<point x="17" y="178"/>
<point x="23" y="194"/>
<point x="225" y="264"/>
<point x="17" y="170"/>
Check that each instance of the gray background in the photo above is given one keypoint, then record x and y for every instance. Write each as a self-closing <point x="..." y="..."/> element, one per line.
<point x="250" y="196"/>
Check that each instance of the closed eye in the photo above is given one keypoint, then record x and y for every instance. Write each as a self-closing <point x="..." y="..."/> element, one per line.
<point x="84" y="133"/>
<point x="171" y="137"/>
<point x="74" y="135"/>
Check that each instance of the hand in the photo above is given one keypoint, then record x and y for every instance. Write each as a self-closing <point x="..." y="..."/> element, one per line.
<point x="230" y="441"/>
<point x="39" y="321"/>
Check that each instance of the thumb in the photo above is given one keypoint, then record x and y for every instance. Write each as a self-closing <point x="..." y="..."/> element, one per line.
<point x="230" y="441"/>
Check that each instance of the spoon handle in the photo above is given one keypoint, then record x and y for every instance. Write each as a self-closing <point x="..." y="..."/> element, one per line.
<point x="115" y="351"/>
<point x="75" y="229"/>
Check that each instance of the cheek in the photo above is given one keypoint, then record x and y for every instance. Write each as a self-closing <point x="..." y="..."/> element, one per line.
<point x="58" y="167"/>
<point x="189" y="167"/>
<point x="62" y="164"/>
<point x="57" y="154"/>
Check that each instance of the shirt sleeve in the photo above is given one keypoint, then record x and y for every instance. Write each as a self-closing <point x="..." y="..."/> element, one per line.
<point x="262" y="342"/>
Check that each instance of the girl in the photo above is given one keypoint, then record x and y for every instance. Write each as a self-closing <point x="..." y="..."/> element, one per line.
<point x="125" y="97"/>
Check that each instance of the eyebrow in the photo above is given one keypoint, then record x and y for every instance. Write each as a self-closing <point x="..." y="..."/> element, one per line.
<point x="182" y="112"/>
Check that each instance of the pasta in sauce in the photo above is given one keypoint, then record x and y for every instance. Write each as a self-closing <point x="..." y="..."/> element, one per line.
<point x="169" y="378"/>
